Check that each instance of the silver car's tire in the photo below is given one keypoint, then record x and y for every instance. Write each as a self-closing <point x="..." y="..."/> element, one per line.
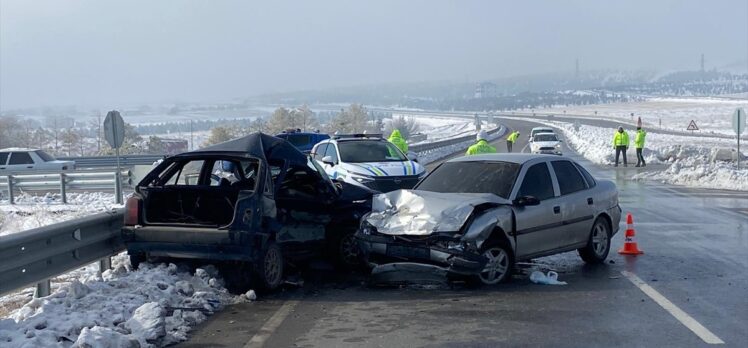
<point x="500" y="264"/>
<point x="598" y="245"/>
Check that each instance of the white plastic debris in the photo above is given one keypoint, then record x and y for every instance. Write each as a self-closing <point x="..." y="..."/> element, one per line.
<point x="551" y="278"/>
<point x="251" y="295"/>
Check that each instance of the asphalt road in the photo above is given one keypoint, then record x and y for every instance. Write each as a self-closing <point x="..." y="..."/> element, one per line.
<point x="689" y="288"/>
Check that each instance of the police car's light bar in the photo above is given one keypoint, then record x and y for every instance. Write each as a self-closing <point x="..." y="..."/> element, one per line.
<point x="358" y="135"/>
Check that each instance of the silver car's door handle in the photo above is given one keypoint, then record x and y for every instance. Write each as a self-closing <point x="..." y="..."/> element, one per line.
<point x="556" y="209"/>
<point x="29" y="167"/>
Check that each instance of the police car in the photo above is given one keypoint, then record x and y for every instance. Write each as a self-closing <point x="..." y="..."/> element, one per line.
<point x="368" y="160"/>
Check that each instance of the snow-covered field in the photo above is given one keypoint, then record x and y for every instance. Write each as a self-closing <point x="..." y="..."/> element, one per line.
<point x="710" y="114"/>
<point x="153" y="306"/>
<point x="690" y="161"/>
<point x="35" y="211"/>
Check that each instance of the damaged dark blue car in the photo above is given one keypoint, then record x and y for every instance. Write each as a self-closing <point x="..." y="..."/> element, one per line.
<point x="254" y="203"/>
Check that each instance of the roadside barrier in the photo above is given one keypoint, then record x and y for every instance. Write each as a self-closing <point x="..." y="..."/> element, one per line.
<point x="630" y="247"/>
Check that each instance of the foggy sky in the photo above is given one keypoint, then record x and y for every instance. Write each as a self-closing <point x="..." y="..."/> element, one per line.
<point x="104" y="52"/>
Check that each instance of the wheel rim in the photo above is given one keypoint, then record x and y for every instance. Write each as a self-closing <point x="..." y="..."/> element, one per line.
<point x="273" y="266"/>
<point x="349" y="252"/>
<point x="600" y="239"/>
<point x="497" y="266"/>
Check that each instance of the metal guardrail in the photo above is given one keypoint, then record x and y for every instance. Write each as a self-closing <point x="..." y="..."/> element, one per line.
<point x="35" y="256"/>
<point x="111" y="161"/>
<point x="64" y="181"/>
<point x="447" y="142"/>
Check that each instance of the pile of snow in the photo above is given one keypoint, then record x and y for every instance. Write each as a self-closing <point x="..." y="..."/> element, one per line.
<point x="712" y="115"/>
<point x="153" y="306"/>
<point x="692" y="161"/>
<point x="36" y="211"/>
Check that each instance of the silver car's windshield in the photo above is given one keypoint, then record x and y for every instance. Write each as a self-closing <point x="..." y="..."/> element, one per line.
<point x="472" y="177"/>
<point x="545" y="137"/>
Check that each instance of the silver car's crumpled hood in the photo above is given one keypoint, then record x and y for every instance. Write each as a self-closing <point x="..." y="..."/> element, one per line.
<point x="414" y="212"/>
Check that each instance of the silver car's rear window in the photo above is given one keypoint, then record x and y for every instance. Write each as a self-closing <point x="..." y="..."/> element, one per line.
<point x="472" y="177"/>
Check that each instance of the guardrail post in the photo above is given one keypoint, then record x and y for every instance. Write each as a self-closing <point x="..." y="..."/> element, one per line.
<point x="63" y="191"/>
<point x="10" y="190"/>
<point x="117" y="187"/>
<point x="43" y="288"/>
<point x="105" y="264"/>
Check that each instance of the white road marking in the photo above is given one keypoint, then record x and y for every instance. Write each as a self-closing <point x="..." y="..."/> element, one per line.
<point x="685" y="319"/>
<point x="259" y="339"/>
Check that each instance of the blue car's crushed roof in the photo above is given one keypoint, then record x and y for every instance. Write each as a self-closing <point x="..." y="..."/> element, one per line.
<point x="260" y="145"/>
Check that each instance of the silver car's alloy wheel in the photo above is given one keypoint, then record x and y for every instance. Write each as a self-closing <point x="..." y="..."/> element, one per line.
<point x="497" y="266"/>
<point x="600" y="239"/>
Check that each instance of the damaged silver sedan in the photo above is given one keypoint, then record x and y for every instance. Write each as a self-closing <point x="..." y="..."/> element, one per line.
<point x="476" y="216"/>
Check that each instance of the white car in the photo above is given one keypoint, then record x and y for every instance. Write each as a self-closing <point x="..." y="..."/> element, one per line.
<point x="546" y="143"/>
<point x="17" y="160"/>
<point x="369" y="161"/>
<point x="537" y="130"/>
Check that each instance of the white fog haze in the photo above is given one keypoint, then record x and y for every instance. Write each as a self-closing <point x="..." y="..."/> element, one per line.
<point x="101" y="53"/>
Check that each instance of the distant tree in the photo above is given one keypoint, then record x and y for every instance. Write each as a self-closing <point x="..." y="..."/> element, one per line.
<point x="354" y="119"/>
<point x="305" y="118"/>
<point x="155" y="145"/>
<point x="70" y="139"/>
<point x="406" y="125"/>
<point x="218" y="135"/>
<point x="258" y="125"/>
<point x="280" y="120"/>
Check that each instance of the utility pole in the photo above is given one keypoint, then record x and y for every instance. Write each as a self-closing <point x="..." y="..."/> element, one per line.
<point x="702" y="63"/>
<point x="576" y="72"/>
<point x="192" y="144"/>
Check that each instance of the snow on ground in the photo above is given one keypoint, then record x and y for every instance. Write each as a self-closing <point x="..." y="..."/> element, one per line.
<point x="35" y="211"/>
<point x="153" y="306"/>
<point x="690" y="161"/>
<point x="710" y="114"/>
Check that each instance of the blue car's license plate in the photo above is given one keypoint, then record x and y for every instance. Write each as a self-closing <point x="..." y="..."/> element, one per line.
<point x="407" y="252"/>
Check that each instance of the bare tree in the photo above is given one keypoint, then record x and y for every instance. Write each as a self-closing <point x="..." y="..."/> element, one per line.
<point x="219" y="135"/>
<point x="351" y="120"/>
<point x="406" y="125"/>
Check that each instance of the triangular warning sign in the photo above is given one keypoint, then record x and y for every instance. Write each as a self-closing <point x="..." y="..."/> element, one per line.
<point x="692" y="126"/>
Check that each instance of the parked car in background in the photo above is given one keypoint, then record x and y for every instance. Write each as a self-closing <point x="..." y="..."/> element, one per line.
<point x="252" y="203"/>
<point x="368" y="160"/>
<point x="537" y="130"/>
<point x="19" y="160"/>
<point x="304" y="141"/>
<point x="546" y="143"/>
<point x="476" y="216"/>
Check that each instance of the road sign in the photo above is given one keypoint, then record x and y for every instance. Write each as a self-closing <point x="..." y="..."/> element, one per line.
<point x="114" y="129"/>
<point x="692" y="126"/>
<point x="738" y="121"/>
<point x="639" y="122"/>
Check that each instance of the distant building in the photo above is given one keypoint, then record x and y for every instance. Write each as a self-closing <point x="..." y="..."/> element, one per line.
<point x="174" y="146"/>
<point x="485" y="90"/>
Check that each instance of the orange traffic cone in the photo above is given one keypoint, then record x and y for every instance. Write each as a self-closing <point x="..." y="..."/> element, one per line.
<point x="630" y="246"/>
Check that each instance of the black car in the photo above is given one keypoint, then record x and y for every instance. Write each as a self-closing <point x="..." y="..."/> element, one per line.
<point x="255" y="201"/>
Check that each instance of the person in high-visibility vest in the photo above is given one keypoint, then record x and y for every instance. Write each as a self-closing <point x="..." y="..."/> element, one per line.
<point x="397" y="139"/>
<point x="621" y="144"/>
<point x="639" y="143"/>
<point x="482" y="146"/>
<point x="510" y="140"/>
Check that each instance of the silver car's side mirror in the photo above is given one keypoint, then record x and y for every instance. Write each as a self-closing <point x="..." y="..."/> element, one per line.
<point x="328" y="160"/>
<point x="525" y="201"/>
